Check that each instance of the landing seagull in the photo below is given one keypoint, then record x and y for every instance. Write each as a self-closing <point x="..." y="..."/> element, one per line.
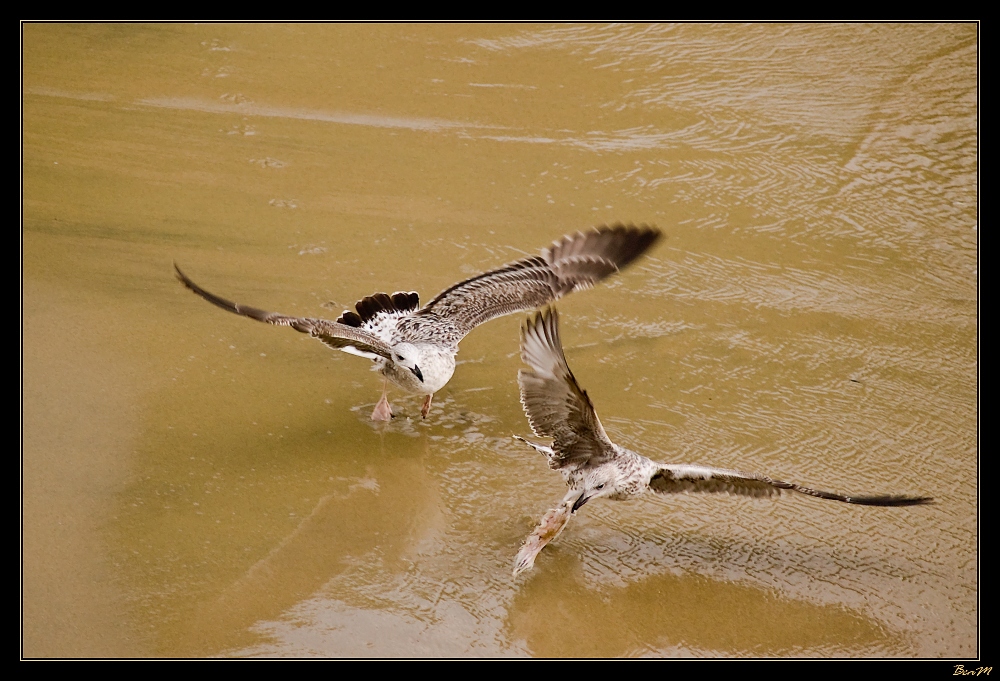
<point x="415" y="348"/>
<point x="594" y="466"/>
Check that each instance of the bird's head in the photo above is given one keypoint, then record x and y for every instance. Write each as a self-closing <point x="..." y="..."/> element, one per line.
<point x="599" y="481"/>
<point x="406" y="355"/>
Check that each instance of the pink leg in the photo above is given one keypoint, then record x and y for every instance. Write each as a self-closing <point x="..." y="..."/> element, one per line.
<point x="383" y="412"/>
<point x="427" y="406"/>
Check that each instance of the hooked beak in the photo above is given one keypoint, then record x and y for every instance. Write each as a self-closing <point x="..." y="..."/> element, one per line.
<point x="580" y="502"/>
<point x="416" y="372"/>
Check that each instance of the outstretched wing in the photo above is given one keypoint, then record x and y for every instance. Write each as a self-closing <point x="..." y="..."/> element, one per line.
<point x="553" y="401"/>
<point x="574" y="262"/>
<point x="670" y="479"/>
<point x="351" y="339"/>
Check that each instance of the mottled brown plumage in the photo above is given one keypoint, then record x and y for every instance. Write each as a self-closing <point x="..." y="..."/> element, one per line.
<point x="415" y="348"/>
<point x="594" y="466"/>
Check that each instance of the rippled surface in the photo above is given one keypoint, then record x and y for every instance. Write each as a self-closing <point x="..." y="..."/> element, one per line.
<point x="197" y="484"/>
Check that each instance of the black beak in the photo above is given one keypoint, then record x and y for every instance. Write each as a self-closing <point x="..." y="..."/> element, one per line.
<point x="416" y="372"/>
<point x="580" y="502"/>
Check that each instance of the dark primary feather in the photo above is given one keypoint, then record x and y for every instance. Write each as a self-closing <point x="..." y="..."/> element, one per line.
<point x="553" y="401"/>
<point x="370" y="307"/>
<point x="670" y="479"/>
<point x="574" y="262"/>
<point x="331" y="333"/>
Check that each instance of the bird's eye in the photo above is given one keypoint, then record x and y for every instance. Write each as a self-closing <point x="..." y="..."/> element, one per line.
<point x="601" y="486"/>
<point x="399" y="357"/>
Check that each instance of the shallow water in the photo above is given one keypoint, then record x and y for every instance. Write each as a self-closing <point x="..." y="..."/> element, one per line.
<point x="198" y="484"/>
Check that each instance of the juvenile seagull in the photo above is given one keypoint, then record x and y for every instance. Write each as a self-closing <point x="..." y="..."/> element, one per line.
<point x="594" y="466"/>
<point x="415" y="348"/>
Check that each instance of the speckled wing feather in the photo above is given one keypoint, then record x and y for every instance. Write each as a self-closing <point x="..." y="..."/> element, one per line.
<point x="671" y="479"/>
<point x="350" y="339"/>
<point x="553" y="401"/>
<point x="379" y="313"/>
<point x="574" y="262"/>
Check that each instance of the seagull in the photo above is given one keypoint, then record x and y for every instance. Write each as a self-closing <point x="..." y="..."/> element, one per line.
<point x="415" y="347"/>
<point x="594" y="466"/>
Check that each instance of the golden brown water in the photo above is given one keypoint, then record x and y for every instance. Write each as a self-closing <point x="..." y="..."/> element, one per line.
<point x="199" y="484"/>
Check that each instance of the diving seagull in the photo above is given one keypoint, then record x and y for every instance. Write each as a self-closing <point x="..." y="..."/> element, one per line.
<point x="594" y="466"/>
<point x="415" y="347"/>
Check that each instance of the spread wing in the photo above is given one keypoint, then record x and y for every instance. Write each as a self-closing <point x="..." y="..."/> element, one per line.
<point x="670" y="479"/>
<point x="574" y="262"/>
<point x="553" y="401"/>
<point x="350" y="339"/>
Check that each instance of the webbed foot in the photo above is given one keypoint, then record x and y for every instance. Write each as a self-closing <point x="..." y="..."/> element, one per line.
<point x="383" y="412"/>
